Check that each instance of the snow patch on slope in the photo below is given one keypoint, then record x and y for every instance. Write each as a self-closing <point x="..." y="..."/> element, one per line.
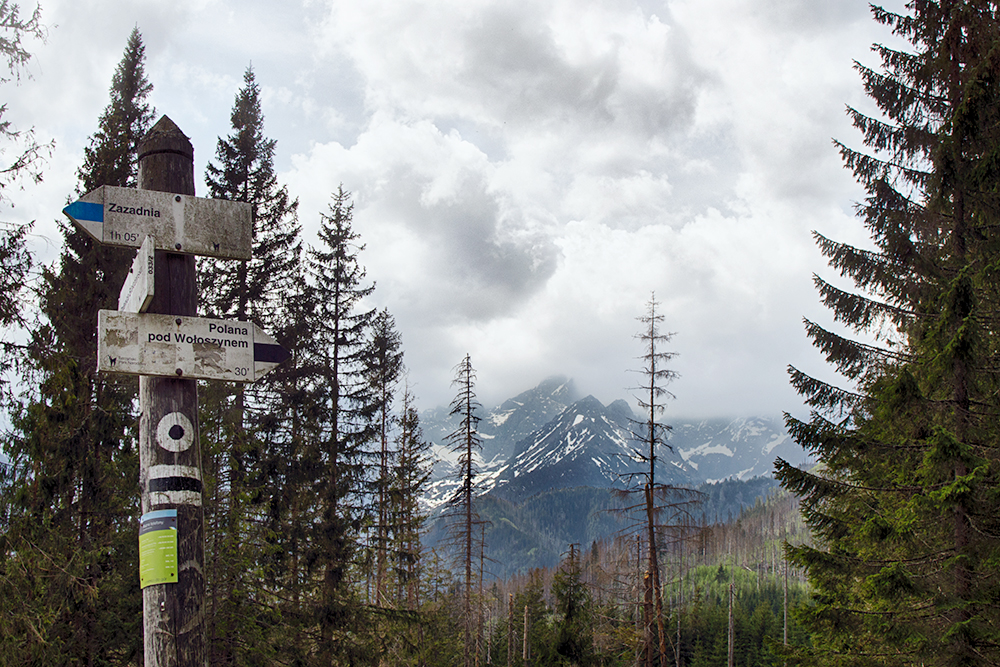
<point x="705" y="450"/>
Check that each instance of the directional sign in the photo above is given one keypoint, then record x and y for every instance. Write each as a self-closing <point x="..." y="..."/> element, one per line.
<point x="137" y="291"/>
<point x="179" y="223"/>
<point x="190" y="347"/>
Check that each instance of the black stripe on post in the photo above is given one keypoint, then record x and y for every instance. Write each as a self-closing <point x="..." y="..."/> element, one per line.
<point x="175" y="484"/>
<point x="267" y="353"/>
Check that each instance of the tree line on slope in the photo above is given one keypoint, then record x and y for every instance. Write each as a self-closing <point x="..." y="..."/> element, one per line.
<point x="588" y="610"/>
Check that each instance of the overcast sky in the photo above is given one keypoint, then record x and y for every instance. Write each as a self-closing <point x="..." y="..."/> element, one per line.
<point x="525" y="174"/>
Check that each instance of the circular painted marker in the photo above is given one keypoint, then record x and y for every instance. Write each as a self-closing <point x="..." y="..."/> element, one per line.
<point x="174" y="432"/>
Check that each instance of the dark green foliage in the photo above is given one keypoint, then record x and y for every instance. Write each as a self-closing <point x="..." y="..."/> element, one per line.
<point x="410" y="479"/>
<point x="574" y="632"/>
<point x="757" y="612"/>
<point x="236" y="421"/>
<point x="335" y="359"/>
<point x="575" y="616"/>
<point x="111" y="157"/>
<point x="15" y="268"/>
<point x="383" y="368"/>
<point x="905" y="504"/>
<point x="15" y="260"/>
<point x="68" y="566"/>
<point x="252" y="289"/>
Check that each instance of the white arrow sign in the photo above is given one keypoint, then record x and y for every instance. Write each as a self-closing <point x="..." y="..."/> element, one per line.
<point x="138" y="291"/>
<point x="190" y="347"/>
<point x="178" y="223"/>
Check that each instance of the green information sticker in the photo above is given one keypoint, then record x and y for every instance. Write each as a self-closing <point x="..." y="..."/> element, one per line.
<point x="158" y="548"/>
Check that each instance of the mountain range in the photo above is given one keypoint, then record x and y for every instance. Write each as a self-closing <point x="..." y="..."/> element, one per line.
<point x="549" y="437"/>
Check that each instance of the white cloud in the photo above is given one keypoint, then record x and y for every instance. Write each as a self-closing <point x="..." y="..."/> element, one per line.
<point x="525" y="174"/>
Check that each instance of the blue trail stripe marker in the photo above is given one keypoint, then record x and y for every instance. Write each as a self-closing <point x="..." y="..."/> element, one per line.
<point x="85" y="210"/>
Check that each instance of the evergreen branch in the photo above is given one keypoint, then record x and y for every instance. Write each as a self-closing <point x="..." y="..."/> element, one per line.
<point x="902" y="24"/>
<point x="900" y="101"/>
<point x="900" y="140"/>
<point x="821" y="395"/>
<point x="868" y="169"/>
<point x="851" y="358"/>
<point x="861" y="313"/>
<point x="864" y="267"/>
<point x="903" y="64"/>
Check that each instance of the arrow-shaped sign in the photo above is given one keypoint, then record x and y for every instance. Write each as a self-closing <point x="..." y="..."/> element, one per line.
<point x="190" y="347"/>
<point x="178" y="223"/>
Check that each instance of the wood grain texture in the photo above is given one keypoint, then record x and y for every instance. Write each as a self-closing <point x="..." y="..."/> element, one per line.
<point x="173" y="614"/>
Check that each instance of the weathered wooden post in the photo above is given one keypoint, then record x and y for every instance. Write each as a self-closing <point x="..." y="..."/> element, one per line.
<point x="156" y="334"/>
<point x="169" y="446"/>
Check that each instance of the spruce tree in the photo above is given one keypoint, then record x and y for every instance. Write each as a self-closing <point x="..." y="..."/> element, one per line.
<point x="289" y="464"/>
<point x="574" y="640"/>
<point x="70" y="554"/>
<point x="15" y="267"/>
<point x="345" y="413"/>
<point x="383" y="370"/>
<point x="412" y="474"/>
<point x="247" y="290"/>
<point x="15" y="259"/>
<point x="252" y="289"/>
<point x="904" y="506"/>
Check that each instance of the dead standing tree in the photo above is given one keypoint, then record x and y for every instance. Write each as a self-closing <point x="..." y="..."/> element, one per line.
<point x="463" y="520"/>
<point x="662" y="507"/>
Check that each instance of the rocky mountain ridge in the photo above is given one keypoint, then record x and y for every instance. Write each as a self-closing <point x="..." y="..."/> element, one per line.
<point x="549" y="438"/>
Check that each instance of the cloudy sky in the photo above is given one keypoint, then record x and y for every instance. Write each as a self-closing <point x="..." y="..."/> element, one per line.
<point x="525" y="174"/>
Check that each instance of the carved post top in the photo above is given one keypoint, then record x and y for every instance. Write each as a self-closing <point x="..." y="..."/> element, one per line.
<point x="166" y="137"/>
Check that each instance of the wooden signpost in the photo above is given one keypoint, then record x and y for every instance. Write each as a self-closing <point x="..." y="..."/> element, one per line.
<point x="177" y="222"/>
<point x="156" y="334"/>
<point x="191" y="347"/>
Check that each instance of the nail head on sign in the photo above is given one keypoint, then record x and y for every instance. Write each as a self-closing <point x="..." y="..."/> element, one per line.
<point x="175" y="433"/>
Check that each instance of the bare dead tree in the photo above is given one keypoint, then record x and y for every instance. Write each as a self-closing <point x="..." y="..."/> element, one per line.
<point x="664" y="510"/>
<point x="465" y="441"/>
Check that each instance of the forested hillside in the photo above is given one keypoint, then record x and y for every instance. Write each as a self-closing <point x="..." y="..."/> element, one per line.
<point x="588" y="608"/>
<point x="534" y="533"/>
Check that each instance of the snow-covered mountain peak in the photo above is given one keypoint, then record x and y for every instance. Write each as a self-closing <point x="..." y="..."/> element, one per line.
<point x="541" y="439"/>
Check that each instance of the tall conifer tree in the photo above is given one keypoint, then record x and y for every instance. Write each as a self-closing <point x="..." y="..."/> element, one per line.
<point x="244" y="171"/>
<point x="383" y="370"/>
<point x="337" y="360"/>
<point x="248" y="290"/>
<point x="905" y="505"/>
<point x="288" y="434"/>
<point x="15" y="259"/>
<point x="412" y="474"/>
<point x="71" y="546"/>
